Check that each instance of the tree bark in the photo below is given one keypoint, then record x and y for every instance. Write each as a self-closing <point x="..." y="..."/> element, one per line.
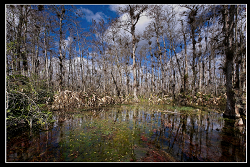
<point x="193" y="64"/>
<point x="237" y="59"/>
<point x="134" y="64"/>
<point x="228" y="21"/>
<point x="186" y="68"/>
<point x="200" y="63"/>
<point x="19" y="40"/>
<point x="192" y="21"/>
<point x="152" y="69"/>
<point x="61" y="57"/>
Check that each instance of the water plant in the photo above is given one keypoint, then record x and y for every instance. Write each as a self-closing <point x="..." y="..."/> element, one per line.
<point x="101" y="140"/>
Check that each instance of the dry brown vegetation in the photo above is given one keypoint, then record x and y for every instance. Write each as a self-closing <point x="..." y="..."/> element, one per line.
<point x="199" y="99"/>
<point x="72" y="99"/>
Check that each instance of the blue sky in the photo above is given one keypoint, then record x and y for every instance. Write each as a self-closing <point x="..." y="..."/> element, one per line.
<point x="89" y="12"/>
<point x="96" y="12"/>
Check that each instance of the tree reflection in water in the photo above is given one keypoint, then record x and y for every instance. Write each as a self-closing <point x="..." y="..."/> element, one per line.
<point x="195" y="136"/>
<point x="201" y="137"/>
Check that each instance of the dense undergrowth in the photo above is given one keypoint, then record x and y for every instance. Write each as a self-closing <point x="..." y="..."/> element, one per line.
<point x="26" y="102"/>
<point x="31" y="103"/>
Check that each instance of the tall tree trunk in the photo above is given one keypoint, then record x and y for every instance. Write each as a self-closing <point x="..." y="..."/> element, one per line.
<point x="214" y="77"/>
<point x="104" y="67"/>
<point x="152" y="69"/>
<point x="36" y="55"/>
<point x="24" y="54"/>
<point x="118" y="85"/>
<point x="70" y="74"/>
<point x="192" y="22"/>
<point x="237" y="59"/>
<point x="186" y="67"/>
<point x="173" y="84"/>
<point x="46" y="59"/>
<point x="60" y="57"/>
<point x="178" y="64"/>
<point x="134" y="12"/>
<point x="172" y="81"/>
<point x="193" y="64"/>
<point x="209" y="69"/>
<point x="134" y="64"/>
<point x="200" y="63"/>
<point x="164" y="61"/>
<point x="19" y="40"/>
<point x="60" y="15"/>
<point x="160" y="57"/>
<point x="242" y="64"/>
<point x="228" y="21"/>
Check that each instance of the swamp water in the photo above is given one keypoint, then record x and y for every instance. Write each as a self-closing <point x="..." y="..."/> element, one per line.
<point x="132" y="133"/>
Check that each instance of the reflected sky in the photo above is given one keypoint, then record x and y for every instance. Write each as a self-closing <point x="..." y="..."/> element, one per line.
<point x="130" y="133"/>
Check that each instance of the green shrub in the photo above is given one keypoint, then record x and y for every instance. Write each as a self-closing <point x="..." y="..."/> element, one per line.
<point x="22" y="102"/>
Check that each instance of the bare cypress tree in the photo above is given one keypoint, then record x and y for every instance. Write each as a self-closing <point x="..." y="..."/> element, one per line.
<point x="185" y="50"/>
<point x="17" y="30"/>
<point x="60" y="13"/>
<point x="148" y="34"/>
<point x="134" y="12"/>
<point x="35" y="34"/>
<point x="19" y="37"/>
<point x="99" y="31"/>
<point x="155" y="12"/>
<point x="228" y="13"/>
<point x="193" y="9"/>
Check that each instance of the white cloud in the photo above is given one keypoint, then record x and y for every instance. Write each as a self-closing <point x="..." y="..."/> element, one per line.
<point x="140" y="26"/>
<point x="115" y="8"/>
<point x="67" y="42"/>
<point x="89" y="15"/>
<point x="142" y="23"/>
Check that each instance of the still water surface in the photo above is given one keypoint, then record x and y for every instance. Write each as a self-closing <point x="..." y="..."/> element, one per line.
<point x="132" y="133"/>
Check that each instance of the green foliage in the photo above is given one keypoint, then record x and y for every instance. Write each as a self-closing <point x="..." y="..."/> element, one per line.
<point x="189" y="96"/>
<point x="24" y="102"/>
<point x="184" y="108"/>
<point x="11" y="46"/>
<point x="18" y="82"/>
<point x="102" y="140"/>
<point x="198" y="94"/>
<point x="179" y="108"/>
